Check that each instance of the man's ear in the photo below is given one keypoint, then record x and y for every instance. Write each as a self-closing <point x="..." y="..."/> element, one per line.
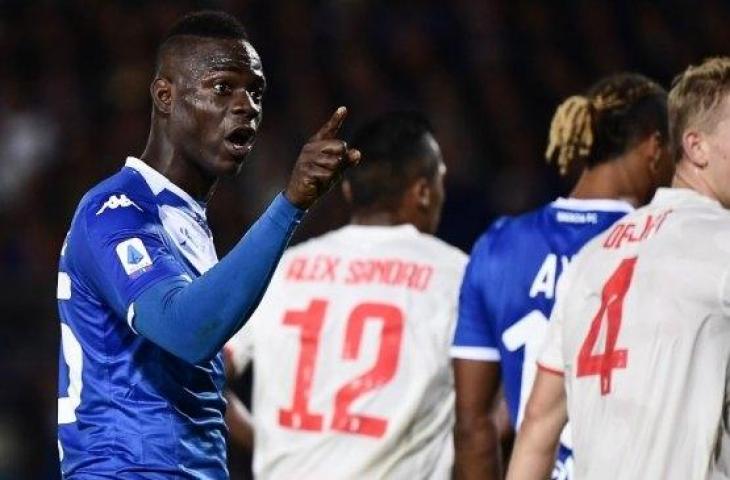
<point x="421" y="193"/>
<point x="161" y="93"/>
<point x="695" y="148"/>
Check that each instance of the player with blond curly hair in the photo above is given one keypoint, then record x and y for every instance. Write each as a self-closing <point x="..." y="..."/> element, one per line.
<point x="617" y="134"/>
<point x="638" y="350"/>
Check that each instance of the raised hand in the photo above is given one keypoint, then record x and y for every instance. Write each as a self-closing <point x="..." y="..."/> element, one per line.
<point x="321" y="163"/>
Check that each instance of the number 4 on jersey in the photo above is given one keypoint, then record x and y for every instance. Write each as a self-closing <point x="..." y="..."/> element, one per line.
<point x="612" y="301"/>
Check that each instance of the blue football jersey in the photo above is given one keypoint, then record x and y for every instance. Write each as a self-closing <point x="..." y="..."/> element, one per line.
<point x="127" y="408"/>
<point x="508" y="292"/>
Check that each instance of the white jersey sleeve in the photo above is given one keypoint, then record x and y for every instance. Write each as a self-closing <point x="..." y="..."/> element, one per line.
<point x="238" y="351"/>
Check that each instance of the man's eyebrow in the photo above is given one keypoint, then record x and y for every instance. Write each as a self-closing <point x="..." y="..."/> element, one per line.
<point x="258" y="80"/>
<point x="228" y="67"/>
<point x="231" y="65"/>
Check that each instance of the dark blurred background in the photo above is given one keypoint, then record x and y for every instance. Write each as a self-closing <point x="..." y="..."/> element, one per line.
<point x="74" y="103"/>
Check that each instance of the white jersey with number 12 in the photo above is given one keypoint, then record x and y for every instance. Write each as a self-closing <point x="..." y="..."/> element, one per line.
<point x="350" y="346"/>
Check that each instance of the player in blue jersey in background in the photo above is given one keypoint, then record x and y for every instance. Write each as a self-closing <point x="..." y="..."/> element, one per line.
<point x="616" y="132"/>
<point x="145" y="305"/>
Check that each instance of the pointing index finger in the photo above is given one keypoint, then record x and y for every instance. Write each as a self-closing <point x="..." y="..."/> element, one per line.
<point x="329" y="130"/>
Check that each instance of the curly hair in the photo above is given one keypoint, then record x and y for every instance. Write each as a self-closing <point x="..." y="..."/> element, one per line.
<point x="609" y="119"/>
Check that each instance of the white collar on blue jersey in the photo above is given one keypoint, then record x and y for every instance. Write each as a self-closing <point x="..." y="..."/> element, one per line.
<point x="593" y="204"/>
<point x="158" y="182"/>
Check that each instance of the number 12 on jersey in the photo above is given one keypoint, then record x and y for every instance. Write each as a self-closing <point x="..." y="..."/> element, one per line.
<point x="310" y="322"/>
<point x="612" y="302"/>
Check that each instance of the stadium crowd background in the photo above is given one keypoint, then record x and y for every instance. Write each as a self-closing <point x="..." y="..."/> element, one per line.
<point x="74" y="103"/>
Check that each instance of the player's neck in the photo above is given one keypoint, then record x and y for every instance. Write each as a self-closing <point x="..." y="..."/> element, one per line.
<point x="607" y="180"/>
<point x="161" y="156"/>
<point x="688" y="176"/>
<point x="377" y="218"/>
<point x="387" y="219"/>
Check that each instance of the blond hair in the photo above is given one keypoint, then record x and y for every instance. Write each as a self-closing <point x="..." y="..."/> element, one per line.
<point x="693" y="99"/>
<point x="602" y="123"/>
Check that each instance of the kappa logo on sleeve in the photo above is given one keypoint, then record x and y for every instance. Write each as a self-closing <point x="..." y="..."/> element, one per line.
<point x="133" y="255"/>
<point x="117" y="201"/>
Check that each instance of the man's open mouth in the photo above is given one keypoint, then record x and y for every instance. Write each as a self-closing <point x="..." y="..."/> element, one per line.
<point x="240" y="140"/>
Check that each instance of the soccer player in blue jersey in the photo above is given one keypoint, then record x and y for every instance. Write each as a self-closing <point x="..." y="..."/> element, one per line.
<point x="618" y="132"/>
<point x="145" y="305"/>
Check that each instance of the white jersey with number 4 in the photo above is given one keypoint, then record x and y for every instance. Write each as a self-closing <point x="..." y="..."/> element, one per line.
<point x="641" y="331"/>
<point x="350" y="345"/>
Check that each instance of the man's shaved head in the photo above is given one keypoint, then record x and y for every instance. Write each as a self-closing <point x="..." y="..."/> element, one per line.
<point x="197" y="26"/>
<point x="403" y="171"/>
<point x="207" y="92"/>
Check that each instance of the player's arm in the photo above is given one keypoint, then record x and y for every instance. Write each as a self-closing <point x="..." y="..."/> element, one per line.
<point x="477" y="376"/>
<point x="476" y="438"/>
<point x="237" y="355"/>
<point x="239" y="422"/>
<point x="539" y="435"/>
<point x="546" y="413"/>
<point x="192" y="319"/>
<point x="505" y="432"/>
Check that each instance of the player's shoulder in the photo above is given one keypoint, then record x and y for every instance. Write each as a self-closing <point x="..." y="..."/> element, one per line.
<point x="312" y="245"/>
<point x="492" y="234"/>
<point x="569" y="219"/>
<point x="121" y="201"/>
<point x="420" y="246"/>
<point x="436" y="248"/>
<point x="125" y="188"/>
<point x="395" y="240"/>
<point x="506" y="229"/>
<point x="686" y="215"/>
<point x="704" y="214"/>
<point x="688" y="219"/>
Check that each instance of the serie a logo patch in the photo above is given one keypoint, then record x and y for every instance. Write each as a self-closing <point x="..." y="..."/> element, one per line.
<point x="133" y="255"/>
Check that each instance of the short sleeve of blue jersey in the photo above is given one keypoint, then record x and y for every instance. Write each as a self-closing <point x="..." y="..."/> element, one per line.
<point x="122" y="250"/>
<point x="474" y="338"/>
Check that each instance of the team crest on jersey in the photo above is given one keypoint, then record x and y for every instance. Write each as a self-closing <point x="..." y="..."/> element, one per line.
<point x="117" y="201"/>
<point x="133" y="255"/>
